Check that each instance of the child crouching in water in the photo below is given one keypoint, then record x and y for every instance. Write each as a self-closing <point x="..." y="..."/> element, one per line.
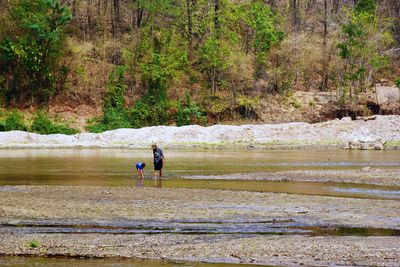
<point x="139" y="167"/>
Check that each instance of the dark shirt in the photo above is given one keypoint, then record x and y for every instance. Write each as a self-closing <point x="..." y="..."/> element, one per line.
<point x="158" y="155"/>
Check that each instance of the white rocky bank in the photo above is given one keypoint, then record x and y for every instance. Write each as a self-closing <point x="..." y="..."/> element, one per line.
<point x="381" y="132"/>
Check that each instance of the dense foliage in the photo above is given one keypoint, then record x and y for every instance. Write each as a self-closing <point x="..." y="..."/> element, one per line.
<point x="153" y="109"/>
<point x="30" y="54"/>
<point x="189" y="61"/>
<point x="41" y="124"/>
<point x="361" y="55"/>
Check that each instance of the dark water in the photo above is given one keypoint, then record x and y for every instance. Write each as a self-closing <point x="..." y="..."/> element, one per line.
<point x="115" y="167"/>
<point x="242" y="228"/>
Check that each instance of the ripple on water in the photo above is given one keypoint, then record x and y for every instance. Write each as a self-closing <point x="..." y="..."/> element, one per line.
<point x="9" y="188"/>
<point x="375" y="192"/>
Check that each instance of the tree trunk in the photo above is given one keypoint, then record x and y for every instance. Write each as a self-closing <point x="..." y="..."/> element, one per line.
<point x="88" y="18"/>
<point x="324" y="85"/>
<point x="139" y="16"/>
<point x="295" y="15"/>
<point x="272" y="3"/>
<point x="74" y="8"/>
<point x="189" y="9"/>
<point x="394" y="9"/>
<point x="116" y="19"/>
<point x="335" y="6"/>
<point x="216" y="18"/>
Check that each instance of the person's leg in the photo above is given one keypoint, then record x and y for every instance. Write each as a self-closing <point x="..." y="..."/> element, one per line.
<point x="155" y="174"/>
<point x="160" y="166"/>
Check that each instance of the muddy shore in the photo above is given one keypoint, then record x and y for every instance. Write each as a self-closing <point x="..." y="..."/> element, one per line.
<point x="23" y="205"/>
<point x="377" y="133"/>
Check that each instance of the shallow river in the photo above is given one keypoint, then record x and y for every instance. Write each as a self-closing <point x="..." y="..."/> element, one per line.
<point x="115" y="167"/>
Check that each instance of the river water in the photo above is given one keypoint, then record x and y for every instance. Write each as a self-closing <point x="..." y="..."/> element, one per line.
<point x="116" y="167"/>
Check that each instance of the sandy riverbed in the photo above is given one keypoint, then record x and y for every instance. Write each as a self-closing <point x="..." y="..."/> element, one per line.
<point x="366" y="175"/>
<point x="22" y="204"/>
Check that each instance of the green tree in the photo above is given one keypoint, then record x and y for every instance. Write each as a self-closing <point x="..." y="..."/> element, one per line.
<point x="263" y="21"/>
<point x="115" y="115"/>
<point x="360" y="51"/>
<point x="30" y="56"/>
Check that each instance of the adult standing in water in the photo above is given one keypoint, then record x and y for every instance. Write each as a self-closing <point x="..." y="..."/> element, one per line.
<point x="158" y="157"/>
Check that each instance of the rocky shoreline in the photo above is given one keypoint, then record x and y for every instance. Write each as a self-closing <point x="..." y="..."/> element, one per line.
<point x="377" y="133"/>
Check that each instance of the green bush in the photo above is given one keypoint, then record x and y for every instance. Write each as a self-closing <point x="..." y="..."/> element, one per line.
<point x="111" y="119"/>
<point x="2" y="126"/>
<point x="31" y="54"/>
<point x="247" y="106"/>
<point x="188" y="113"/>
<point x="43" y="125"/>
<point x="139" y="114"/>
<point x="15" y="122"/>
<point x="33" y="244"/>
<point x="398" y="83"/>
<point x="115" y="115"/>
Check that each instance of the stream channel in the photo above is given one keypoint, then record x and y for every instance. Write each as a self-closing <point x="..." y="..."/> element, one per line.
<point x="115" y="167"/>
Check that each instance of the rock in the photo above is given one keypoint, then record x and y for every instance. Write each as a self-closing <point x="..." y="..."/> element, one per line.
<point x="346" y="119"/>
<point x="358" y="134"/>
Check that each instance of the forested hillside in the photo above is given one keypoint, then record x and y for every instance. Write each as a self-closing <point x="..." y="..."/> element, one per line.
<point x="135" y="63"/>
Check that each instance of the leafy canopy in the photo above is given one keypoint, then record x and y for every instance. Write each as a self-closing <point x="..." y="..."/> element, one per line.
<point x="30" y="55"/>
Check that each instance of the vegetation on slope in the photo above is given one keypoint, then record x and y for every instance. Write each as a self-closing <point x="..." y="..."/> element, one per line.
<point x="189" y="61"/>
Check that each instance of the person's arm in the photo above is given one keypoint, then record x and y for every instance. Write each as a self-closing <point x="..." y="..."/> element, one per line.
<point x="162" y="156"/>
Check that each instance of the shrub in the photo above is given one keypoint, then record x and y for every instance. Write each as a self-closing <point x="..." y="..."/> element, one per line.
<point x="115" y="115"/>
<point x="33" y="244"/>
<point x="139" y="114"/>
<point x="31" y="53"/>
<point x="43" y="125"/>
<point x="247" y="106"/>
<point x="188" y="112"/>
<point x="2" y="126"/>
<point x="111" y="119"/>
<point x="398" y="83"/>
<point x="15" y="122"/>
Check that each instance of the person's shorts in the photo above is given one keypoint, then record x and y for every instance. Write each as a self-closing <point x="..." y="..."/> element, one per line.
<point x="158" y="165"/>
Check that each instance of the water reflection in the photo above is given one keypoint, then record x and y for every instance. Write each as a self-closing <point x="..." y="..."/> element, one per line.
<point x="157" y="183"/>
<point x="141" y="183"/>
<point x="113" y="167"/>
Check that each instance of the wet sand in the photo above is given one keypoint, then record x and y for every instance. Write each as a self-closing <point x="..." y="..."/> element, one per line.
<point x="106" y="205"/>
<point x="366" y="175"/>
